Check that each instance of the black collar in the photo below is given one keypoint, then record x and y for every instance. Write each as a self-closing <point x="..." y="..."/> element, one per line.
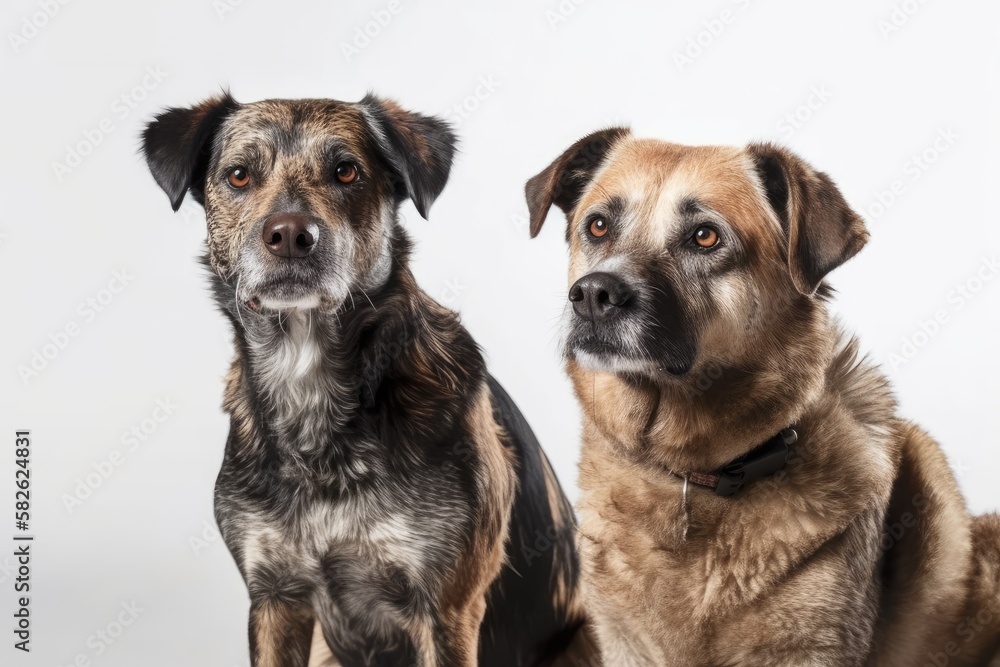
<point x="762" y="461"/>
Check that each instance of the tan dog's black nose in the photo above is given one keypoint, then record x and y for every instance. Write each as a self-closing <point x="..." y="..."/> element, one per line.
<point x="290" y="234"/>
<point x="598" y="296"/>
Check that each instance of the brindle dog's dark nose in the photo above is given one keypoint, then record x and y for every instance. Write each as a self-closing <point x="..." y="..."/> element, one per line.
<point x="598" y="296"/>
<point x="290" y="234"/>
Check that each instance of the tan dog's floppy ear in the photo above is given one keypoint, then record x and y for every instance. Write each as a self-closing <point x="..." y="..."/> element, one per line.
<point x="823" y="231"/>
<point x="176" y="144"/>
<point x="418" y="148"/>
<point x="563" y="181"/>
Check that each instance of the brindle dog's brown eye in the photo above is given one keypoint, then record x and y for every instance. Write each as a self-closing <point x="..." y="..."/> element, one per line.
<point x="238" y="177"/>
<point x="706" y="237"/>
<point x="598" y="227"/>
<point x="347" y="172"/>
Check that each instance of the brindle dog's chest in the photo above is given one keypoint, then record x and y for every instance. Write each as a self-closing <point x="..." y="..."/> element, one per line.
<point x="369" y="560"/>
<point x="325" y="511"/>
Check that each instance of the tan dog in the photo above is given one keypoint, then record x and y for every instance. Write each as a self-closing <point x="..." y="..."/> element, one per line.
<point x="699" y="345"/>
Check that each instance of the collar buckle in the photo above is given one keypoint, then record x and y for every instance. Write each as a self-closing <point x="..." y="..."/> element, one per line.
<point x="766" y="460"/>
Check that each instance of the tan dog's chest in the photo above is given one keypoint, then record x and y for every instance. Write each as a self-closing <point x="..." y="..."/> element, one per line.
<point x="726" y="593"/>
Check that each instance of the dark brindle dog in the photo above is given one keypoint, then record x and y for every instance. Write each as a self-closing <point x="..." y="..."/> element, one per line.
<point x="377" y="483"/>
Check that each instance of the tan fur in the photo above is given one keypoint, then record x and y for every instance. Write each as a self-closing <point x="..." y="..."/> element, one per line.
<point x="928" y="543"/>
<point x="464" y="600"/>
<point x="786" y="571"/>
<point x="280" y="634"/>
<point x="319" y="653"/>
<point x="565" y="593"/>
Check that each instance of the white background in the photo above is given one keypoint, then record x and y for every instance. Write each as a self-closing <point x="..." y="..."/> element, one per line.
<point x="884" y="99"/>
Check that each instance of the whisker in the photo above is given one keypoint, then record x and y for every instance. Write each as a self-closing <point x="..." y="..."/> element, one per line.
<point x="238" y="313"/>
<point x="369" y="300"/>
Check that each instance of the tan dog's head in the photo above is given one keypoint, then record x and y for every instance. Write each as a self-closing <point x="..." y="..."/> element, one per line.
<point x="300" y="195"/>
<point x="683" y="257"/>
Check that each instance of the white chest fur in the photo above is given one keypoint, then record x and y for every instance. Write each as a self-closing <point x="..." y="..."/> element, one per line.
<point x="296" y="379"/>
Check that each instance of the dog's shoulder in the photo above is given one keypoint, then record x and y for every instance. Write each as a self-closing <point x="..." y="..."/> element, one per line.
<point x="855" y="422"/>
<point x="860" y="383"/>
<point x="533" y="604"/>
<point x="418" y="367"/>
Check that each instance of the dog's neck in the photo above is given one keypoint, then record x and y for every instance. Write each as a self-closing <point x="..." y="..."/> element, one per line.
<point x="704" y="421"/>
<point x="311" y="385"/>
<point x="299" y="366"/>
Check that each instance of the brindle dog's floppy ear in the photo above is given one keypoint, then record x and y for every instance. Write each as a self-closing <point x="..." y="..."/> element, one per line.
<point x="418" y="148"/>
<point x="822" y="230"/>
<point x="176" y="145"/>
<point x="563" y="181"/>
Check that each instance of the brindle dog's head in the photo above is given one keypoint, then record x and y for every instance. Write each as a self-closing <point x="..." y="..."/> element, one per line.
<point x="300" y="195"/>
<point x="684" y="258"/>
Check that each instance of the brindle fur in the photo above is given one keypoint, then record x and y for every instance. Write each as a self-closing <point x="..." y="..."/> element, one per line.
<point x="379" y="491"/>
<point x="861" y="552"/>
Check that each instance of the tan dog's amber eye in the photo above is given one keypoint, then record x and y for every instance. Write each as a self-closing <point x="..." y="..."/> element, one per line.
<point x="346" y="172"/>
<point x="238" y="177"/>
<point x="706" y="237"/>
<point x="598" y="227"/>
